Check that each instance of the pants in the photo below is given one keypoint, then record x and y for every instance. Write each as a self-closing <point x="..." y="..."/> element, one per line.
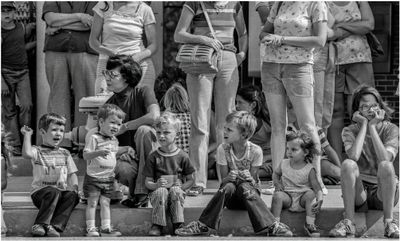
<point x="148" y="74"/>
<point x="55" y="206"/>
<point x="201" y="89"/>
<point x="65" y="71"/>
<point x="241" y="196"/>
<point x="13" y="119"/>
<point x="130" y="173"/>
<point x="163" y="201"/>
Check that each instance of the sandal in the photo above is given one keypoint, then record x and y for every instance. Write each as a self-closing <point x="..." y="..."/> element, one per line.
<point x="195" y="191"/>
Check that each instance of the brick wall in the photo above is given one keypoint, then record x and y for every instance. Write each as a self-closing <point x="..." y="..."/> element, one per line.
<point x="387" y="83"/>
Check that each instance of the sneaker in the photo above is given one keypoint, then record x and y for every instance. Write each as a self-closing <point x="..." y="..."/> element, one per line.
<point x="195" y="191"/>
<point x="51" y="231"/>
<point x="110" y="232"/>
<point x="38" y="230"/>
<point x="194" y="228"/>
<point x="345" y="228"/>
<point x="279" y="229"/>
<point x="177" y="226"/>
<point x="392" y="230"/>
<point x="92" y="232"/>
<point x="311" y="230"/>
<point x="155" y="230"/>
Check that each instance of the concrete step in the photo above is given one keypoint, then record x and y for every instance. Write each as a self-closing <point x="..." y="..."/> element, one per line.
<point x="20" y="214"/>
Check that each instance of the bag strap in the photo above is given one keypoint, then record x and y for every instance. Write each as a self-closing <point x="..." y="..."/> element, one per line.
<point x="208" y="20"/>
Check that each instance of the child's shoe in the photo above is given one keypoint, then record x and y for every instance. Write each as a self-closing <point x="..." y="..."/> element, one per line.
<point x="345" y="228"/>
<point x="38" y="230"/>
<point x="312" y="230"/>
<point x="52" y="232"/>
<point x="92" y="232"/>
<point x="155" y="230"/>
<point x="110" y="232"/>
<point x="392" y="230"/>
<point x="279" y="229"/>
<point x="194" y="228"/>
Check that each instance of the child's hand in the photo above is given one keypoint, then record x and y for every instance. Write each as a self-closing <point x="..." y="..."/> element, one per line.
<point x="128" y="155"/>
<point x="104" y="152"/>
<point x="162" y="182"/>
<point x="358" y="118"/>
<point x="316" y="207"/>
<point x="26" y="130"/>
<point x="245" y="175"/>
<point x="5" y="90"/>
<point x="232" y="175"/>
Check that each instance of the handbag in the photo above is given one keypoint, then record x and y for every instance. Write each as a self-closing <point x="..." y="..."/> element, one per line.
<point x="374" y="45"/>
<point x="199" y="58"/>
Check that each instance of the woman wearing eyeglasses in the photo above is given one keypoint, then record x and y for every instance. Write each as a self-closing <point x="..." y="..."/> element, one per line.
<point x="118" y="29"/>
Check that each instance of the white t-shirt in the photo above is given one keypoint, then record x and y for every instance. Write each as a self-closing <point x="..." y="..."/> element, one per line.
<point x="253" y="156"/>
<point x="123" y="30"/>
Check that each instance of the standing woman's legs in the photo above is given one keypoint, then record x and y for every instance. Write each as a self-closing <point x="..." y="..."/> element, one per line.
<point x="100" y="85"/>
<point x="148" y="73"/>
<point x="200" y="92"/>
<point x="299" y="80"/>
<point x="225" y="87"/>
<point x="276" y="101"/>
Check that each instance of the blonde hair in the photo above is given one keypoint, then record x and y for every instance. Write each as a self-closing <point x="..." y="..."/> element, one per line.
<point x="176" y="99"/>
<point x="245" y="121"/>
<point x="168" y="118"/>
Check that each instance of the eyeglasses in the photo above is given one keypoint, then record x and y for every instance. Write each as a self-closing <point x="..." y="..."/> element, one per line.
<point x="368" y="107"/>
<point x="110" y="74"/>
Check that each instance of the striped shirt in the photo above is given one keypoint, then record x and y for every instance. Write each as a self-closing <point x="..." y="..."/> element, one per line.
<point x="222" y="20"/>
<point x="51" y="166"/>
<point x="102" y="167"/>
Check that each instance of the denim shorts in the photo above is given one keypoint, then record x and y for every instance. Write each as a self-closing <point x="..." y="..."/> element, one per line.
<point x="350" y="76"/>
<point x="293" y="80"/>
<point x="98" y="186"/>
<point x="373" y="202"/>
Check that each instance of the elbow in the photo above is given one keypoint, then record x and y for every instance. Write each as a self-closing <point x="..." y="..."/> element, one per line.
<point x="177" y="37"/>
<point x="371" y="24"/>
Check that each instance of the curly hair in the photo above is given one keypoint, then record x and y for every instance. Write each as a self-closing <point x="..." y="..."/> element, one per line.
<point x="306" y="143"/>
<point x="130" y="70"/>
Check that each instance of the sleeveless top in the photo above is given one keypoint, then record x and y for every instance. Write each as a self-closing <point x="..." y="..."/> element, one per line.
<point x="295" y="180"/>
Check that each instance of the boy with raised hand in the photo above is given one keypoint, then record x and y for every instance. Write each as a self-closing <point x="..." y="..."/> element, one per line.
<point x="55" y="184"/>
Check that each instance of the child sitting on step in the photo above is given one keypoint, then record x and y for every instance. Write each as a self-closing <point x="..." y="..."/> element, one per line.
<point x="100" y="153"/>
<point x="368" y="177"/>
<point x="295" y="180"/>
<point x="238" y="162"/>
<point x="53" y="169"/>
<point x="169" y="174"/>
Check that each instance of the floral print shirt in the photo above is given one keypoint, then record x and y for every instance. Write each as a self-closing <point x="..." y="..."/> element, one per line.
<point x="355" y="48"/>
<point x="294" y="19"/>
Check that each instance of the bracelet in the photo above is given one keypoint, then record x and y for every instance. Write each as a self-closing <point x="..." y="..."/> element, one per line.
<point x="282" y="39"/>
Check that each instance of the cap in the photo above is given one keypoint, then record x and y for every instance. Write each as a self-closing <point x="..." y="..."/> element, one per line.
<point x="8" y="5"/>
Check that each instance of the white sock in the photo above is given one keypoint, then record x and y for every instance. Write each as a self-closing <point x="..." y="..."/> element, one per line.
<point x="388" y="220"/>
<point x="310" y="220"/>
<point x="90" y="224"/>
<point x="106" y="223"/>
<point x="278" y="219"/>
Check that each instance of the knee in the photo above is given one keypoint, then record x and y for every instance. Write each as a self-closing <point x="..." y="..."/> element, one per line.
<point x="92" y="202"/>
<point x="386" y="170"/>
<point x="126" y="170"/>
<point x="144" y="131"/>
<point x="277" y="197"/>
<point x="228" y="188"/>
<point x="104" y="202"/>
<point x="309" y="196"/>
<point x="349" y="167"/>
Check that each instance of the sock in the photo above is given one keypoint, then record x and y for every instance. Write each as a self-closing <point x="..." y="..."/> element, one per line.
<point x="106" y="223"/>
<point x="278" y="219"/>
<point x="388" y="220"/>
<point x="310" y="220"/>
<point x="90" y="224"/>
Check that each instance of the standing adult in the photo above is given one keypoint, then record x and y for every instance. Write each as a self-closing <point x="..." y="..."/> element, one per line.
<point x="291" y="32"/>
<point x="353" y="19"/>
<point x="225" y="17"/>
<point x="69" y="60"/>
<point x="118" y="29"/>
